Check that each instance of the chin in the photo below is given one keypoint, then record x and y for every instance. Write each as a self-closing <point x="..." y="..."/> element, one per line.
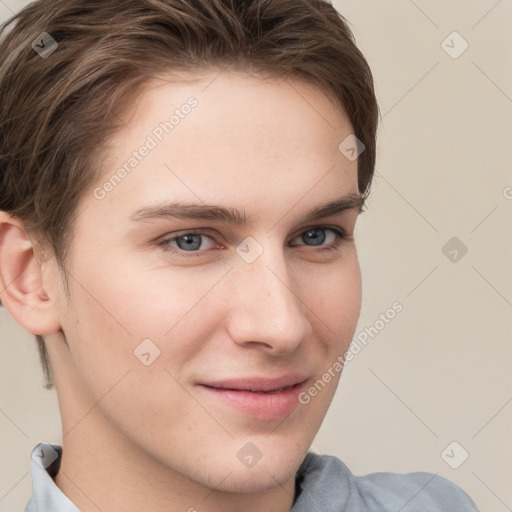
<point x="257" y="480"/>
<point x="275" y="467"/>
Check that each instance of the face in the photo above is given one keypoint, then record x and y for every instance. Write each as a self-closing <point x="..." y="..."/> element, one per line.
<point x="200" y="334"/>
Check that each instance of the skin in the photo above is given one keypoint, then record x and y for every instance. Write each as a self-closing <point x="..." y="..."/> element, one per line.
<point x="139" y="437"/>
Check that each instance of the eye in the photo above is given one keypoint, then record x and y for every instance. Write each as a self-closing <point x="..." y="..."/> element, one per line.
<point x="317" y="236"/>
<point x="193" y="242"/>
<point x="188" y="242"/>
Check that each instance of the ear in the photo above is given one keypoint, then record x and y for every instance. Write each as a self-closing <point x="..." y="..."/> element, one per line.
<point x="21" y="280"/>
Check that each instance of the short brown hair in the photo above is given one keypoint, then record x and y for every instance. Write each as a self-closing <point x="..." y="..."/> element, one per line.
<point x="57" y="111"/>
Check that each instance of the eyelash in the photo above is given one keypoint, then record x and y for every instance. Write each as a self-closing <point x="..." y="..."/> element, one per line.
<point x="340" y="235"/>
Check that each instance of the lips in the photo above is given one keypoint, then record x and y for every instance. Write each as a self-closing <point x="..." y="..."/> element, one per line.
<point x="259" y="397"/>
<point x="258" y="384"/>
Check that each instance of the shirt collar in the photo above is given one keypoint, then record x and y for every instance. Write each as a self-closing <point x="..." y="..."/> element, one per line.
<point x="45" y="463"/>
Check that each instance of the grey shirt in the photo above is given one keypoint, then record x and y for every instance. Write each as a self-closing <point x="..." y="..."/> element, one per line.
<point x="323" y="484"/>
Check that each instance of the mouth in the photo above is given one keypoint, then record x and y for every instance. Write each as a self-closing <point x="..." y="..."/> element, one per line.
<point x="260" y="398"/>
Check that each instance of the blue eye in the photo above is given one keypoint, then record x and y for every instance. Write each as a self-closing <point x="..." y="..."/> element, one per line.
<point x="313" y="236"/>
<point x="188" y="242"/>
<point x="317" y="236"/>
<point x="193" y="241"/>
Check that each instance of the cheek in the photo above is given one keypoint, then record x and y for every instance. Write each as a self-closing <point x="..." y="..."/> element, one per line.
<point x="117" y="309"/>
<point x="152" y="296"/>
<point x="100" y="346"/>
<point x="334" y="296"/>
<point x="102" y="337"/>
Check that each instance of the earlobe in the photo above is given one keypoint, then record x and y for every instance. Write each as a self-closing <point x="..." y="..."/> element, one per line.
<point x="21" y="280"/>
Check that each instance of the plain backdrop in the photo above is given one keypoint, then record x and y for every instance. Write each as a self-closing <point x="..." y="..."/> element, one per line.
<point x="431" y="389"/>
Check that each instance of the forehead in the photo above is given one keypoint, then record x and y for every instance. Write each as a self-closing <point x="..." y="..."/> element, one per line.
<point x="223" y="137"/>
<point x="232" y="110"/>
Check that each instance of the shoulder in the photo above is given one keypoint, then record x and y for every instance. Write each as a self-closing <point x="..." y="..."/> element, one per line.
<point x="416" y="491"/>
<point x="382" y="491"/>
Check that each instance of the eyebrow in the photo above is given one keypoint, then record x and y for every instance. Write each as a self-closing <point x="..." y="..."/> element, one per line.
<point x="194" y="211"/>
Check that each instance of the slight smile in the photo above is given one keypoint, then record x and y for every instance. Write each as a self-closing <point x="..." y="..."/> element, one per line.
<point x="258" y="397"/>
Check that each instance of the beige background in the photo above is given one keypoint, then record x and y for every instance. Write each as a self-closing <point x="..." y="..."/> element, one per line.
<point x="440" y="370"/>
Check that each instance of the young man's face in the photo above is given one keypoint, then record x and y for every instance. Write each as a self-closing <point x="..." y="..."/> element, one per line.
<point x="259" y="300"/>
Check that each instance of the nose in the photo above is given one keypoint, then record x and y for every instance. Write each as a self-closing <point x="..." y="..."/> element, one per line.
<point x="266" y="309"/>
